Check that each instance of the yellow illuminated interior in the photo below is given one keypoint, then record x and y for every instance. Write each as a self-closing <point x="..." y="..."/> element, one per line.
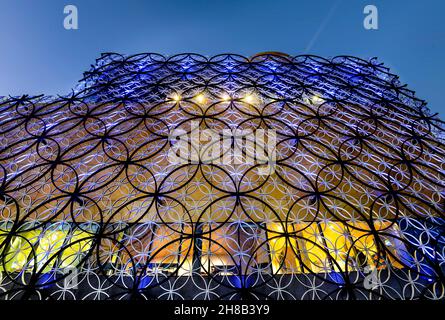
<point x="48" y="246"/>
<point x="20" y="248"/>
<point x="283" y="250"/>
<point x="229" y="249"/>
<point x="200" y="98"/>
<point x="176" y="97"/>
<point x="250" y="98"/>
<point x="79" y="243"/>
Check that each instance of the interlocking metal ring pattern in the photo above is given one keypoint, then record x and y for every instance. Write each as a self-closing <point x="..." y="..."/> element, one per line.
<point x="91" y="208"/>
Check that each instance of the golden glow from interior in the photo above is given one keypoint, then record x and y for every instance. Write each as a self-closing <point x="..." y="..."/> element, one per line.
<point x="201" y="98"/>
<point x="16" y="257"/>
<point x="250" y="99"/>
<point x="226" y="97"/>
<point x="314" y="247"/>
<point x="79" y="243"/>
<point x="176" y="97"/>
<point x="49" y="245"/>
<point x="283" y="250"/>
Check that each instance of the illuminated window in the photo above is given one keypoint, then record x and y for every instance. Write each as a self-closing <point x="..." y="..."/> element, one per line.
<point x="338" y="244"/>
<point x="106" y="256"/>
<point x="315" y="247"/>
<point x="16" y="252"/>
<point x="40" y="250"/>
<point x="48" y="247"/>
<point x="232" y="249"/>
<point x="77" y="245"/>
<point x="171" y="250"/>
<point x="186" y="252"/>
<point x="285" y="249"/>
<point x="369" y="252"/>
<point x="137" y="246"/>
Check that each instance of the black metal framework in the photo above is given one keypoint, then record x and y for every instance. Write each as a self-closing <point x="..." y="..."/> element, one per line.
<point x="354" y="208"/>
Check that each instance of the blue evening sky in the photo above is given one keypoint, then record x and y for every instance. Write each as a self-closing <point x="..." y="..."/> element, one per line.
<point x="39" y="56"/>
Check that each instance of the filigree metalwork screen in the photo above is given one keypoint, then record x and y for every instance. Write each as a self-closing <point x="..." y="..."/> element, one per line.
<point x="92" y="208"/>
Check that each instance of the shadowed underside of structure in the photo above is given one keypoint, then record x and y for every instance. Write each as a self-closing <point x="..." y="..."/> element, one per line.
<point x="351" y="205"/>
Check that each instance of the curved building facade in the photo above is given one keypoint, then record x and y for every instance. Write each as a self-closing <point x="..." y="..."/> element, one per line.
<point x="188" y="177"/>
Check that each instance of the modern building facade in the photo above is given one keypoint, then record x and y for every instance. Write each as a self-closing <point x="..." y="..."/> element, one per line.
<point x="142" y="184"/>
